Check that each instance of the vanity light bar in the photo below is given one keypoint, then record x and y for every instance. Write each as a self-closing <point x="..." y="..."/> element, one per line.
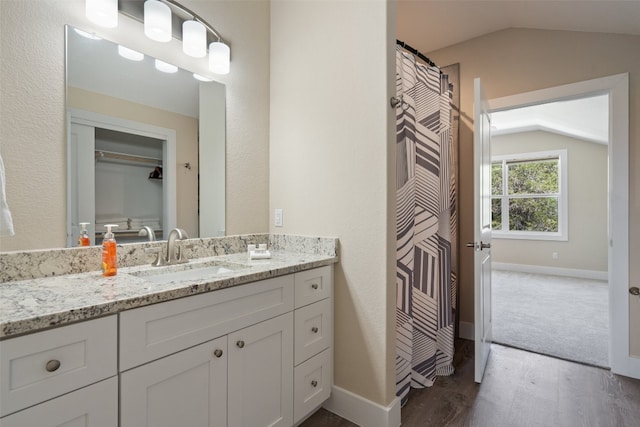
<point x="102" y="12"/>
<point x="157" y="17"/>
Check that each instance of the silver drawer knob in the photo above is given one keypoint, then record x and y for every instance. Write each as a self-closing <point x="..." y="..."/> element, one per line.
<point x="314" y="383"/>
<point x="217" y="352"/>
<point x="634" y="291"/>
<point x="314" y="329"/>
<point x="314" y="286"/>
<point x="240" y="344"/>
<point x="52" y="365"/>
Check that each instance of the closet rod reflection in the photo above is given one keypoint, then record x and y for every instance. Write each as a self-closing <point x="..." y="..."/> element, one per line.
<point x="101" y="154"/>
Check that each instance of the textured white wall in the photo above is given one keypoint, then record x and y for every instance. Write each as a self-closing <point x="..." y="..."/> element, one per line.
<point x="32" y="109"/>
<point x="587" y="247"/>
<point x="332" y="163"/>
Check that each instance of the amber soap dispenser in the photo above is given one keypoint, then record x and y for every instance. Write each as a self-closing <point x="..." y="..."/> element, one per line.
<point x="109" y="259"/>
<point x="83" y="239"/>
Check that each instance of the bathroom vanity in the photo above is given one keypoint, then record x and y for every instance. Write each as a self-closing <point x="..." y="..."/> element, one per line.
<point x="248" y="345"/>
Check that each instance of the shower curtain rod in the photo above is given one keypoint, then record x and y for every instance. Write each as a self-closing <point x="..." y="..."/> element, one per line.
<point x="415" y="52"/>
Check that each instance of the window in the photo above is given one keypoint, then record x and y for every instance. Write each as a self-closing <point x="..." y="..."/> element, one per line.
<point x="529" y="196"/>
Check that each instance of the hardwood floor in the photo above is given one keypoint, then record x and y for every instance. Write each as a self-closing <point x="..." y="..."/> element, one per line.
<point x="519" y="389"/>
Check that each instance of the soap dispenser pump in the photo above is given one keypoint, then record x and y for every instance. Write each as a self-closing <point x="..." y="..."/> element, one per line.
<point x="109" y="259"/>
<point x="83" y="239"/>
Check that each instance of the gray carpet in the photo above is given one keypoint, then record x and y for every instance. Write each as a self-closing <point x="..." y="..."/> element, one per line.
<point x="559" y="316"/>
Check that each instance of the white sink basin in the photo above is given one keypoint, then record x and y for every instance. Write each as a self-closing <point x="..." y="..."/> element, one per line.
<point x="187" y="272"/>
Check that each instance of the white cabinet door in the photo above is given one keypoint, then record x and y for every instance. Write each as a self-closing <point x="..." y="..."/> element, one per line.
<point x="261" y="374"/>
<point x="93" y="406"/>
<point x="188" y="388"/>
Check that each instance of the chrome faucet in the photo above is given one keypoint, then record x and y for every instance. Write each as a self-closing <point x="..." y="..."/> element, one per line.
<point x="174" y="255"/>
<point x="147" y="231"/>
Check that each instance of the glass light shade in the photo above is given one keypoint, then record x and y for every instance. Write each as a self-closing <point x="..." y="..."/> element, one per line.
<point x="194" y="39"/>
<point x="87" y="35"/>
<point x="102" y="12"/>
<point x="201" y="78"/>
<point x="131" y="54"/>
<point x="219" y="58"/>
<point x="165" y="68"/>
<point x="157" y="21"/>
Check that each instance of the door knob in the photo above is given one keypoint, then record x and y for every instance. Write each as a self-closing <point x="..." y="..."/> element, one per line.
<point x="240" y="344"/>
<point x="634" y="291"/>
<point x="217" y="353"/>
<point x="478" y="246"/>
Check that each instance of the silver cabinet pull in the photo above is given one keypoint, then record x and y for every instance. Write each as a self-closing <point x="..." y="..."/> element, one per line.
<point x="314" y="329"/>
<point x="52" y="365"/>
<point x="217" y="352"/>
<point x="240" y="344"/>
<point x="314" y="383"/>
<point x="634" y="291"/>
<point x="314" y="286"/>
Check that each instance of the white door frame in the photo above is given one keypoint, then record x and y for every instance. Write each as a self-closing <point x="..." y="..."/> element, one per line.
<point x="169" y="203"/>
<point x="617" y="87"/>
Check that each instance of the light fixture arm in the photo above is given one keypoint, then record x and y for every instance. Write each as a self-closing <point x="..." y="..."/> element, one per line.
<point x="194" y="16"/>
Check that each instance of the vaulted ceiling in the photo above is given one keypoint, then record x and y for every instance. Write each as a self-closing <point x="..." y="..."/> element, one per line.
<point x="429" y="25"/>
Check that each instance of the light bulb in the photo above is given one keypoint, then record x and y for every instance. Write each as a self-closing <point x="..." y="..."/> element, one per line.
<point x="165" y="67"/>
<point x="157" y="21"/>
<point x="102" y="12"/>
<point x="219" y="58"/>
<point x="131" y="54"/>
<point x="194" y="39"/>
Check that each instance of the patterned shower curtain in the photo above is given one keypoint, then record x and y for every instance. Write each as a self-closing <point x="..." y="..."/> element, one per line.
<point x="426" y="225"/>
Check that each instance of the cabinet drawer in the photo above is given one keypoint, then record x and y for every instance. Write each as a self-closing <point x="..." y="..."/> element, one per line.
<point x="43" y="365"/>
<point x="313" y="331"/>
<point x="93" y="406"/>
<point x="151" y="332"/>
<point x="312" y="285"/>
<point x="312" y="384"/>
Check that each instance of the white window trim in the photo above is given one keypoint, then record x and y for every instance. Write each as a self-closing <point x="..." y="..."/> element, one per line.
<point x="563" y="198"/>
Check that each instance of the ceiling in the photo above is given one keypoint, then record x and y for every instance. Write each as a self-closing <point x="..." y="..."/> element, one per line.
<point x="585" y="118"/>
<point x="429" y="25"/>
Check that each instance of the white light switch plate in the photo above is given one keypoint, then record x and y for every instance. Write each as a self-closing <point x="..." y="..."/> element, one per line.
<point x="278" y="218"/>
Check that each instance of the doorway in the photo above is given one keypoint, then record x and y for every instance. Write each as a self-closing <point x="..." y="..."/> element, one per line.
<point x="154" y="145"/>
<point x="549" y="228"/>
<point x="618" y="189"/>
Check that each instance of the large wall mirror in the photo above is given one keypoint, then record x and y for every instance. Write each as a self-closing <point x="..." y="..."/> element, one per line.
<point x="146" y="144"/>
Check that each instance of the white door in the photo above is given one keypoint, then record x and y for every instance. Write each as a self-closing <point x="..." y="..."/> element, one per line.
<point x="482" y="229"/>
<point x="81" y="204"/>
<point x="188" y="388"/>
<point x="261" y="374"/>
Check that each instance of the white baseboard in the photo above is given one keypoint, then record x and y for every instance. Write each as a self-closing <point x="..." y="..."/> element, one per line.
<point x="361" y="411"/>
<point x="466" y="331"/>
<point x="555" y="271"/>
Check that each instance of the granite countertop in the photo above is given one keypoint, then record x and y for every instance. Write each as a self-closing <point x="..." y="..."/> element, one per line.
<point x="35" y="304"/>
